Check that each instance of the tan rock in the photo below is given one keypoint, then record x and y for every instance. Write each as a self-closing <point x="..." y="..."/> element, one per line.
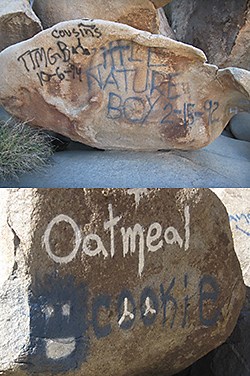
<point x="237" y="202"/>
<point x="119" y="284"/>
<point x="17" y="22"/>
<point x="140" y="14"/>
<point x="114" y="87"/>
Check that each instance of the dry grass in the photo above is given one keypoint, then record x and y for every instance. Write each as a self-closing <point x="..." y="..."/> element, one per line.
<point x="22" y="149"/>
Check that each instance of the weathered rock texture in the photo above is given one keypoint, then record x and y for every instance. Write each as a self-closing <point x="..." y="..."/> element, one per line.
<point x="15" y="279"/>
<point x="164" y="27"/>
<point x="232" y="357"/>
<point x="141" y="14"/>
<point x="160" y="3"/>
<point x="114" y="87"/>
<point x="17" y="22"/>
<point x="237" y="202"/>
<point x="220" y="28"/>
<point x="118" y="282"/>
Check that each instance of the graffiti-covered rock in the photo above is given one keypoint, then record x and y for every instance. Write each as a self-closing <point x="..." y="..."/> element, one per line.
<point x="114" y="87"/>
<point x="119" y="281"/>
<point x="140" y="14"/>
<point x="17" y="22"/>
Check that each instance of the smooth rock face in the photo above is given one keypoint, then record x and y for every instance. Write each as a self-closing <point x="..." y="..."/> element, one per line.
<point x="17" y="22"/>
<point x="240" y="126"/>
<point x="123" y="282"/>
<point x="220" y="28"/>
<point x="140" y="14"/>
<point x="114" y="87"/>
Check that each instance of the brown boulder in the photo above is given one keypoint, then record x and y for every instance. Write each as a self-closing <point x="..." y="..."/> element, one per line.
<point x="220" y="28"/>
<point x="140" y="14"/>
<point x="17" y="22"/>
<point x="114" y="87"/>
<point x="114" y="281"/>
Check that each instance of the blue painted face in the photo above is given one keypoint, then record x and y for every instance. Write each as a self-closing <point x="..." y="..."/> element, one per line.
<point x="58" y="325"/>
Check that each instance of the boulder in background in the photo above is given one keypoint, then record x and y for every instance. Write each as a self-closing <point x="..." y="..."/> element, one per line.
<point x="18" y="22"/>
<point x="220" y="28"/>
<point x="140" y="14"/>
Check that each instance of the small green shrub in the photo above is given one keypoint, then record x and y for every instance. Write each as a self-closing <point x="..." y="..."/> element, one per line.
<point x="22" y="149"/>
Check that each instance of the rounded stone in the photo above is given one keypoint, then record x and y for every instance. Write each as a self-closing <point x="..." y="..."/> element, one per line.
<point x="141" y="14"/>
<point x="110" y="86"/>
<point x="240" y="126"/>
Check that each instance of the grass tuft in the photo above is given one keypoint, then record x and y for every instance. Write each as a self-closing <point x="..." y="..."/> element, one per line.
<point x="22" y="149"/>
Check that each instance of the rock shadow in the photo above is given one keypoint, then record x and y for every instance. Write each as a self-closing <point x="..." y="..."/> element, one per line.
<point x="232" y="357"/>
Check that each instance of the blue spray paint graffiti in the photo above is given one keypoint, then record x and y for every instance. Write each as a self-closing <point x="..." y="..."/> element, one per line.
<point x="137" y="89"/>
<point x="242" y="222"/>
<point x="58" y="325"/>
<point x="63" y="313"/>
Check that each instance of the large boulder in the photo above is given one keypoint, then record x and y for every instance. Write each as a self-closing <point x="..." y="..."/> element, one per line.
<point x="17" y="22"/>
<point x="141" y="14"/>
<point x="115" y="281"/>
<point x="114" y="87"/>
<point x="240" y="126"/>
<point x="220" y="28"/>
